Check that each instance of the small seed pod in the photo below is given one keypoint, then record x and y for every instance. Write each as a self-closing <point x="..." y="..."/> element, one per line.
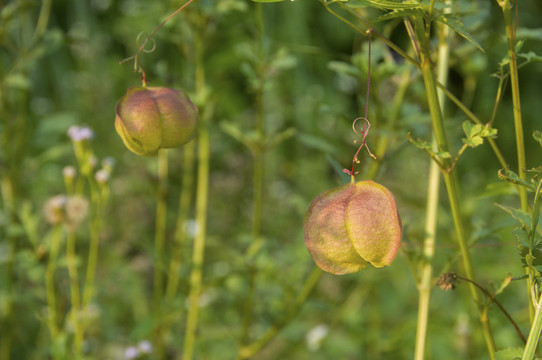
<point x="351" y="226"/>
<point x="153" y="118"/>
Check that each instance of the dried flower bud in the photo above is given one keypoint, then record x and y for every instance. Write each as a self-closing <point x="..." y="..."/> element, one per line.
<point x="353" y="225"/>
<point x="102" y="176"/>
<point x="153" y="118"/>
<point x="76" y="210"/>
<point x="55" y="209"/>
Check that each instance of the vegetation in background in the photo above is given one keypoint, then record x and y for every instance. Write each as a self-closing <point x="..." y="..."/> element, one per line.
<point x="199" y="253"/>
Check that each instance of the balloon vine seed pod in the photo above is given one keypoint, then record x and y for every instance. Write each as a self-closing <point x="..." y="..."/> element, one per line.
<point x="351" y="226"/>
<point x="356" y="224"/>
<point x="152" y="118"/>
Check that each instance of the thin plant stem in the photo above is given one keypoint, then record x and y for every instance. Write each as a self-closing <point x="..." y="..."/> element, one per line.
<point x="514" y="84"/>
<point x="97" y="203"/>
<point x="254" y="347"/>
<point x="180" y="228"/>
<point x="510" y="26"/>
<point x="202" y="193"/>
<point x="52" y="314"/>
<point x="8" y="200"/>
<point x="384" y="140"/>
<point x="159" y="243"/>
<point x="534" y="334"/>
<point x="146" y="40"/>
<point x="71" y="261"/>
<point x="414" y="62"/>
<point x="497" y="302"/>
<point x="452" y="188"/>
<point x="431" y="214"/>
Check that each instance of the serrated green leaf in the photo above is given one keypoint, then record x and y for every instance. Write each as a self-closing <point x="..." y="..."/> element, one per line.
<point x="400" y="13"/>
<point x="456" y="25"/>
<point x="531" y="56"/>
<point x="522" y="238"/>
<point x="522" y="218"/>
<point x="509" y="354"/>
<point x="474" y="141"/>
<point x="510" y="176"/>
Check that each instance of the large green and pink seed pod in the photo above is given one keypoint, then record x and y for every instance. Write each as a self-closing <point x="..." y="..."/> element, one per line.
<point x="153" y="118"/>
<point x="351" y="226"/>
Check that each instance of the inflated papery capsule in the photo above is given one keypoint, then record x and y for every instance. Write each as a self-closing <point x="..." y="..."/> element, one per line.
<point x="153" y="118"/>
<point x="351" y="226"/>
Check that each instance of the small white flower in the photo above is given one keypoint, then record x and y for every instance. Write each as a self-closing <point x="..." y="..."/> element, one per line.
<point x="69" y="172"/>
<point x="145" y="346"/>
<point x="315" y="336"/>
<point x="102" y="176"/>
<point x="77" y="133"/>
<point x="131" y="352"/>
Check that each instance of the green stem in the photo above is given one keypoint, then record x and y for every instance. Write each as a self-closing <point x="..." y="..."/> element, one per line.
<point x="514" y="83"/>
<point x="253" y="348"/>
<point x="452" y="188"/>
<point x="518" y="123"/>
<point x="384" y="140"/>
<point x="71" y="260"/>
<point x="534" y="334"/>
<point x="159" y="243"/>
<point x="201" y="206"/>
<point x="52" y="316"/>
<point x="414" y="62"/>
<point x="431" y="214"/>
<point x="180" y="227"/>
<point x="97" y="203"/>
<point x="7" y="192"/>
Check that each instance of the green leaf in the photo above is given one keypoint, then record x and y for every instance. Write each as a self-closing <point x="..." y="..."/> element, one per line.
<point x="476" y="133"/>
<point x="235" y="132"/>
<point x="393" y="5"/>
<point x="531" y="56"/>
<point x="510" y="176"/>
<point x="428" y="148"/>
<point x="456" y="25"/>
<point x="521" y="217"/>
<point x="509" y="354"/>
<point x="537" y="135"/>
<point x="268" y="1"/>
<point x="400" y="13"/>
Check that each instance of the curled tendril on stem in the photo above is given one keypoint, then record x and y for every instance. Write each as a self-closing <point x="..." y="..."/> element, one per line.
<point x="135" y="57"/>
<point x="364" y="131"/>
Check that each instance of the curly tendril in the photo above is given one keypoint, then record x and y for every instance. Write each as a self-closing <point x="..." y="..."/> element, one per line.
<point x="135" y="57"/>
<point x="364" y="131"/>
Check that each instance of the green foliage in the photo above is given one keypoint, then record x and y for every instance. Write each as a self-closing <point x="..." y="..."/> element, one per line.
<point x="282" y="84"/>
<point x="476" y="133"/>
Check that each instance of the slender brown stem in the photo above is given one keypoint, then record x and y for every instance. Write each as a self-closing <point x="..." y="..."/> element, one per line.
<point x="499" y="305"/>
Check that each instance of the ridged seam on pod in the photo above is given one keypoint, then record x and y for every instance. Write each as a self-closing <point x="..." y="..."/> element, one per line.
<point x="352" y="225"/>
<point x="153" y="118"/>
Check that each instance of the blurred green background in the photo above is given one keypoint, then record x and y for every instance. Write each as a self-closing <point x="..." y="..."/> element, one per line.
<point x="68" y="73"/>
